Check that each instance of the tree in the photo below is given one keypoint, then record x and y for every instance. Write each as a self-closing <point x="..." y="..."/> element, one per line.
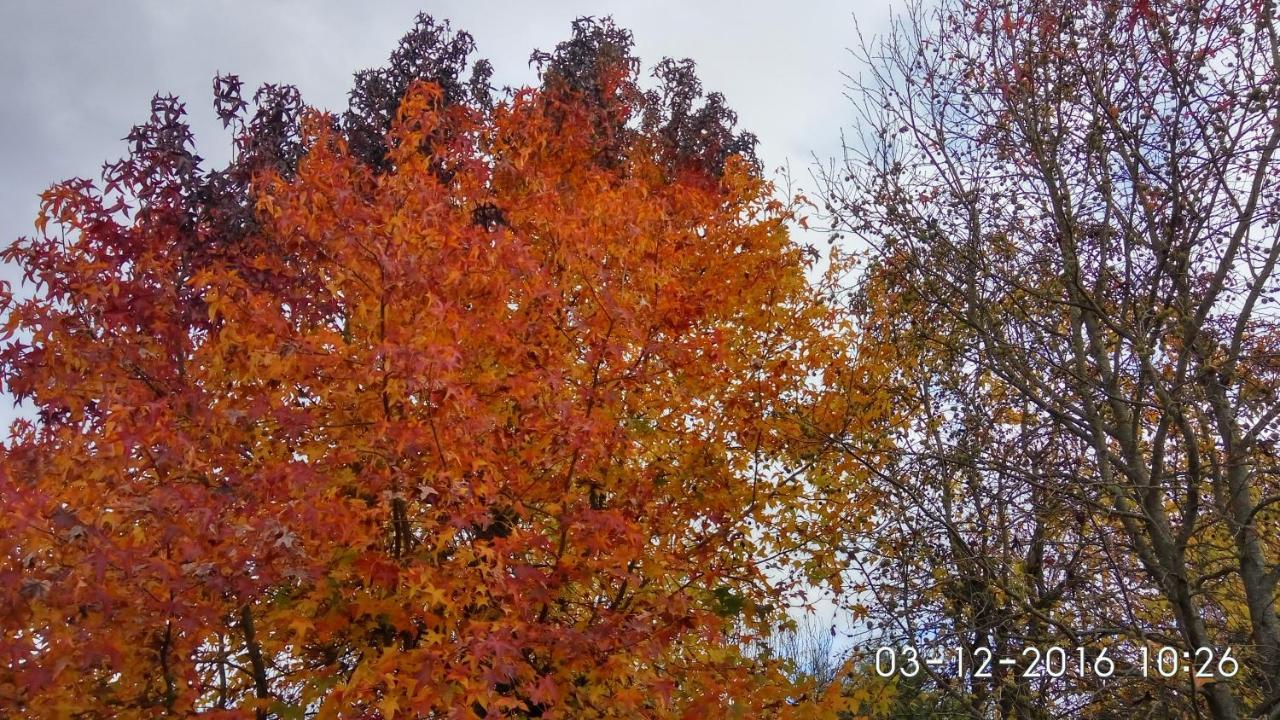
<point x="1072" y="215"/>
<point x="500" y="418"/>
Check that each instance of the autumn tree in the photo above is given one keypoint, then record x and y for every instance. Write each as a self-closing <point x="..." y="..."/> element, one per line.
<point x="1071" y="210"/>
<point x="453" y="407"/>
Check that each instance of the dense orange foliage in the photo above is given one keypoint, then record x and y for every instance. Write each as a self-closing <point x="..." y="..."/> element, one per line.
<point x="490" y="434"/>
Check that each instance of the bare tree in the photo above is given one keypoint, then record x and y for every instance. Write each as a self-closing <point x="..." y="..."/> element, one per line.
<point x="1072" y="214"/>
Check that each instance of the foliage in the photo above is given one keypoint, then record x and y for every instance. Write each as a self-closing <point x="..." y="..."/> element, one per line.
<point x="504" y="413"/>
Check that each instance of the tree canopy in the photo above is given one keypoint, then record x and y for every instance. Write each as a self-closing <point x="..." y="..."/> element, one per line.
<point x="453" y="406"/>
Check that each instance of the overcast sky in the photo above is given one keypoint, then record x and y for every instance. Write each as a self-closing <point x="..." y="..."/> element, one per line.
<point x="75" y="76"/>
